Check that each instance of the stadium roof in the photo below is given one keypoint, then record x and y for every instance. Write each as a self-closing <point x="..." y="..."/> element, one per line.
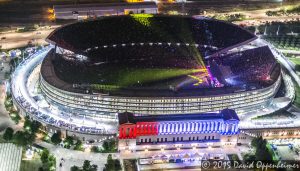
<point x="87" y="37"/>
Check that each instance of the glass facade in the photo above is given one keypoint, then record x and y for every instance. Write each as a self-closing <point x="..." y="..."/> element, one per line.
<point x="105" y="106"/>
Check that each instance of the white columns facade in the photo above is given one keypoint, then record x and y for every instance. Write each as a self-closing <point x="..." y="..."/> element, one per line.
<point x="197" y="127"/>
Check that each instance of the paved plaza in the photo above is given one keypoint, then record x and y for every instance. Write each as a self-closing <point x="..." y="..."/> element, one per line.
<point x="72" y="157"/>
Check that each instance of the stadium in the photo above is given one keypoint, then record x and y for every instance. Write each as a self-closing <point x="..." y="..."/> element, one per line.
<point x="156" y="65"/>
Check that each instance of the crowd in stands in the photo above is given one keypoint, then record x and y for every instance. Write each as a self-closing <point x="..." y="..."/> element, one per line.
<point x="254" y="65"/>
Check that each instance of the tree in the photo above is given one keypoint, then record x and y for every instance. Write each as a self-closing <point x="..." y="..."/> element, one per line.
<point x="15" y="116"/>
<point x="35" y="126"/>
<point x="262" y="153"/>
<point x="78" y="145"/>
<point x="23" y="138"/>
<point x="109" y="146"/>
<point x="249" y="158"/>
<point x="8" y="134"/>
<point x="27" y="123"/>
<point x="51" y="162"/>
<point x="94" y="167"/>
<point x="95" y="149"/>
<point x="69" y="141"/>
<point x="45" y="156"/>
<point x="109" y="157"/>
<point x="48" y="161"/>
<point x="118" y="165"/>
<point x="30" y="138"/>
<point x="256" y="141"/>
<point x="31" y="126"/>
<point x="106" y="146"/>
<point x="75" y="168"/>
<point x="56" y="138"/>
<point x="112" y="165"/>
<point x="86" y="165"/>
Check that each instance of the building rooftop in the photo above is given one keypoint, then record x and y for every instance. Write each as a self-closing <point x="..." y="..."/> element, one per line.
<point x="225" y="114"/>
<point x="122" y="5"/>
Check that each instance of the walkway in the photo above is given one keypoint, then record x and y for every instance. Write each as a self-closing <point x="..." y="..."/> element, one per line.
<point x="5" y="120"/>
<point x="72" y="157"/>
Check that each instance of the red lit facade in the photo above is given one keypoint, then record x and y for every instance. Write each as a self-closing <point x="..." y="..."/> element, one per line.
<point x="131" y="131"/>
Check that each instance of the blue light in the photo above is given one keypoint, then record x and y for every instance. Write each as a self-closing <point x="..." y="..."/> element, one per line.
<point x="224" y="128"/>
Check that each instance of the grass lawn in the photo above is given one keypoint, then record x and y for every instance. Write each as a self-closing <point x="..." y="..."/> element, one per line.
<point x="31" y="165"/>
<point x="297" y="95"/>
<point x="128" y="77"/>
<point x="149" y="75"/>
<point x="1" y="138"/>
<point x="296" y="61"/>
<point x="274" y="155"/>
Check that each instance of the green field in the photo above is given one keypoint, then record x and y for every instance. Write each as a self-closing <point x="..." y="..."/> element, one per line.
<point x="297" y="96"/>
<point x="296" y="61"/>
<point x="127" y="77"/>
<point x="30" y="165"/>
<point x="148" y="75"/>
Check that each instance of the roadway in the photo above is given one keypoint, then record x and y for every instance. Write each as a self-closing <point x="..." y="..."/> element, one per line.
<point x="17" y="40"/>
<point x="258" y="17"/>
<point x="13" y="12"/>
<point x="11" y="40"/>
